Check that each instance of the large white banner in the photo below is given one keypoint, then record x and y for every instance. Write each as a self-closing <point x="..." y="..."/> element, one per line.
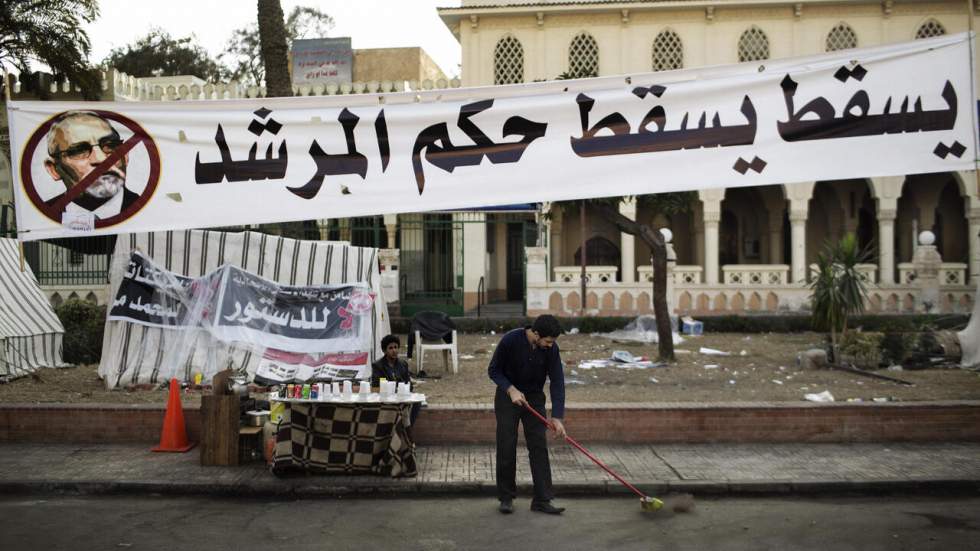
<point x="95" y="168"/>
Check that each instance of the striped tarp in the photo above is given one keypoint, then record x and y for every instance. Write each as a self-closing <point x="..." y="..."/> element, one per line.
<point x="30" y="332"/>
<point x="137" y="354"/>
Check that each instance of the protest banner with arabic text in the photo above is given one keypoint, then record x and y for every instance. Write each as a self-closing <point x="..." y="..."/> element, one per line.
<point x="887" y="110"/>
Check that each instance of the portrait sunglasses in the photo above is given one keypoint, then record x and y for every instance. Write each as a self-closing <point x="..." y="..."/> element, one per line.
<point x="83" y="150"/>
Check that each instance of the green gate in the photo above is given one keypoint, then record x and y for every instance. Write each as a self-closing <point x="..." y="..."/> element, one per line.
<point x="431" y="264"/>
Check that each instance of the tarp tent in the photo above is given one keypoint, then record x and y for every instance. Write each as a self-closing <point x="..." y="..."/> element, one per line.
<point x="134" y="354"/>
<point x="30" y="332"/>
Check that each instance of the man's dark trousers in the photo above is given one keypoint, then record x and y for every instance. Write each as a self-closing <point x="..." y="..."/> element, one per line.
<point x="535" y="433"/>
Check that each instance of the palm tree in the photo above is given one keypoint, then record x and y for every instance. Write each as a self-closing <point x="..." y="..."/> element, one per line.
<point x="272" y="39"/>
<point x="50" y="32"/>
<point x="839" y="290"/>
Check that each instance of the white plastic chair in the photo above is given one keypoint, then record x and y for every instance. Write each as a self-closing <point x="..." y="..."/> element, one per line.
<point x="448" y="350"/>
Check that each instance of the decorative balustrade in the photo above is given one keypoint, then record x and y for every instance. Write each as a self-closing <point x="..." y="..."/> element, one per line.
<point x="756" y="274"/>
<point x="683" y="275"/>
<point x="867" y="272"/>
<point x="593" y="274"/>
<point x="952" y="273"/>
<point x="123" y="87"/>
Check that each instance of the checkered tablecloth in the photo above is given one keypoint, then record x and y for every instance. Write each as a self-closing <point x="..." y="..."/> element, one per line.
<point x="346" y="439"/>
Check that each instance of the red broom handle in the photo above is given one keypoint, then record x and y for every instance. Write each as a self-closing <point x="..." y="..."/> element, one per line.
<point x="580" y="448"/>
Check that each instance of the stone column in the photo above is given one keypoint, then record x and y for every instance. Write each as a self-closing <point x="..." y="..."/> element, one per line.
<point x="391" y="228"/>
<point x="927" y="262"/>
<point x="775" y="236"/>
<point x="556" y="240"/>
<point x="323" y="225"/>
<point x="671" y="264"/>
<point x="887" y="211"/>
<point x="973" y="230"/>
<point x="627" y="246"/>
<point x="797" y="218"/>
<point x="389" y="260"/>
<point x="345" y="229"/>
<point x="711" y="222"/>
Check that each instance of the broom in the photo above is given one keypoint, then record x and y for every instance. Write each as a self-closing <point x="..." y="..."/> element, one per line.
<point x="679" y="503"/>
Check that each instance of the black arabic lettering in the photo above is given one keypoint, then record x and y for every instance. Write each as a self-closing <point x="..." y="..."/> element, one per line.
<point x="817" y="119"/>
<point x="646" y="139"/>
<point x="351" y="162"/>
<point x="269" y="168"/>
<point x="434" y="144"/>
<point x="381" y="129"/>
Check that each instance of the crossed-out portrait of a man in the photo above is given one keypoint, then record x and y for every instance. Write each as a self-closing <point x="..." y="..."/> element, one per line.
<point x="78" y="142"/>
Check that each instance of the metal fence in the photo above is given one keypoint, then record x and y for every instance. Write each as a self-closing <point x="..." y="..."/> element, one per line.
<point x="431" y="264"/>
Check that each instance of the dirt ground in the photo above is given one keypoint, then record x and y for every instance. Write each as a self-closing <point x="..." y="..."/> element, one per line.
<point x="765" y="372"/>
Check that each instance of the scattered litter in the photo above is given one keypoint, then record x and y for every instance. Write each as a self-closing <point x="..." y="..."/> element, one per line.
<point x="492" y="332"/>
<point x="713" y="352"/>
<point x="880" y="400"/>
<point x="777" y="381"/>
<point x="894" y="368"/>
<point x="782" y="368"/>
<point x="743" y="353"/>
<point x="643" y="329"/>
<point x="854" y="400"/>
<point x="747" y="338"/>
<point x="731" y="381"/>
<point x="467" y="357"/>
<point x="574" y="382"/>
<point x="690" y="326"/>
<point x="625" y="357"/>
<point x="621" y="359"/>
<point x="711" y="366"/>
<point x="824" y="396"/>
<point x="681" y="351"/>
<point x="574" y="372"/>
<point x="654" y="380"/>
<point x="573" y="331"/>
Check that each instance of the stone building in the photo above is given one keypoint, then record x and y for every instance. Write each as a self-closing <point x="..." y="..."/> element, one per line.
<point x="745" y="249"/>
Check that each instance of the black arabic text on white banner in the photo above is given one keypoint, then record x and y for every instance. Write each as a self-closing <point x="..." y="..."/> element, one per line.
<point x="886" y="110"/>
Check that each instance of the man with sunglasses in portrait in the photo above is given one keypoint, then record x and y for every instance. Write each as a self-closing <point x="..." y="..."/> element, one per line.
<point x="78" y="142"/>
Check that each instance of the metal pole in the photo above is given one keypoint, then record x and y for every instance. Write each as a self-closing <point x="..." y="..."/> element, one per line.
<point x="581" y="211"/>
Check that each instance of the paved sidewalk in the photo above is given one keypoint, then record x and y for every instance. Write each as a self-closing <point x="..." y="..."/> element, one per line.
<point x="468" y="469"/>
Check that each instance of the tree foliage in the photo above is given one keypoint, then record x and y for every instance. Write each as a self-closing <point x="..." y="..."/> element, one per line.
<point x="838" y="290"/>
<point x="159" y="54"/>
<point x="244" y="54"/>
<point x="50" y="32"/>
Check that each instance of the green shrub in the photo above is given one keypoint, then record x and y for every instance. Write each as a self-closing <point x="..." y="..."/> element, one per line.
<point x="861" y="349"/>
<point x="84" y="325"/>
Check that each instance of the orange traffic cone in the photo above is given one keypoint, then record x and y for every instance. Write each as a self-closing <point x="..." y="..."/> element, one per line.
<point x="174" y="435"/>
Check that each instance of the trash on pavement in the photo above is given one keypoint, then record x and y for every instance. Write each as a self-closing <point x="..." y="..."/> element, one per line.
<point x="712" y="352"/>
<point x="824" y="396"/>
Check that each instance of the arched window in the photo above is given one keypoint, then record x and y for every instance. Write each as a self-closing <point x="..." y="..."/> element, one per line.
<point x="668" y="51"/>
<point x="583" y="57"/>
<point x="753" y="45"/>
<point x="508" y="61"/>
<point x="930" y="29"/>
<point x="841" y="37"/>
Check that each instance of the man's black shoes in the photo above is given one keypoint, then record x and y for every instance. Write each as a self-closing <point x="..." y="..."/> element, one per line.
<point x="547" y="507"/>
<point x="506" y="506"/>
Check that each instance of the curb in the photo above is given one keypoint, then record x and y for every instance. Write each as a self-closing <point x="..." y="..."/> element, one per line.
<point x="411" y="488"/>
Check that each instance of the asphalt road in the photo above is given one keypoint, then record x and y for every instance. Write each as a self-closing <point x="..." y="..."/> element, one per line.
<point x="157" y="522"/>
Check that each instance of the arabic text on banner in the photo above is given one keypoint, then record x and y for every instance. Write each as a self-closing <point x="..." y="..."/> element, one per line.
<point x="95" y="168"/>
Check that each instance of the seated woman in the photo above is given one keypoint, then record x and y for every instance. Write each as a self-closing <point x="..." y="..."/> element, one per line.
<point x="392" y="368"/>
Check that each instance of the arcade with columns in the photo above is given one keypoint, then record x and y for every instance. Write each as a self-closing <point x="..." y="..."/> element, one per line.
<point x="752" y="249"/>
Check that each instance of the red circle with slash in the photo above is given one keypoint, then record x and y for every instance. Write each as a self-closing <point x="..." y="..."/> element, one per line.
<point x="54" y="211"/>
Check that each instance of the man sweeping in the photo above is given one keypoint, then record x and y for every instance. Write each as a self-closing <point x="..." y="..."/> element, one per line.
<point x="521" y="363"/>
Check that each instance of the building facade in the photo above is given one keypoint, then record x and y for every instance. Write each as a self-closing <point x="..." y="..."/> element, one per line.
<point x="746" y="249"/>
